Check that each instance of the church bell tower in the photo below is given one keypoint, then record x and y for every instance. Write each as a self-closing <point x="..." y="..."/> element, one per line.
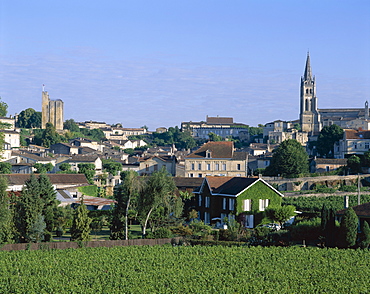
<point x="309" y="115"/>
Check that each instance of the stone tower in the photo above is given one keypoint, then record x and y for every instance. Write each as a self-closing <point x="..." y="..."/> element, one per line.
<point x="309" y="114"/>
<point x="52" y="112"/>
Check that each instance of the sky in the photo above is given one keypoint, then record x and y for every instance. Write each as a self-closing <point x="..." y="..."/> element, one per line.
<point x="158" y="63"/>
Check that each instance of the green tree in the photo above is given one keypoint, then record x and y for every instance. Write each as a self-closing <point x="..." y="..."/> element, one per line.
<point x="365" y="240"/>
<point x="112" y="167"/>
<point x="328" y="227"/>
<point x="327" y="138"/>
<point x="280" y="214"/>
<point x="43" y="168"/>
<point x="65" y="166"/>
<point x="29" y="118"/>
<point x="50" y="136"/>
<point x="354" y="164"/>
<point x="288" y="160"/>
<point x="348" y="228"/>
<point x="37" y="229"/>
<point x="3" y="108"/>
<point x="28" y="208"/>
<point x="126" y="196"/>
<point x="214" y="137"/>
<point x="6" y="214"/>
<point x="5" y="168"/>
<point x="50" y="203"/>
<point x="80" y="230"/>
<point x="88" y="169"/>
<point x="158" y="191"/>
<point x="71" y="125"/>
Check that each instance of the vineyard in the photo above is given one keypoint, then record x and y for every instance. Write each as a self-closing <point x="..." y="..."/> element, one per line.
<point x="315" y="203"/>
<point x="167" y="269"/>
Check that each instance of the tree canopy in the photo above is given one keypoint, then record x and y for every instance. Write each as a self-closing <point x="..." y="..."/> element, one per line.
<point x="288" y="160"/>
<point x="3" y="108"/>
<point x="29" y="118"/>
<point x="327" y="138"/>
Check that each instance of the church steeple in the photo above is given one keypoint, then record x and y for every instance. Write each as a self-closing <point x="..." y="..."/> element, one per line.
<point x="308" y="72"/>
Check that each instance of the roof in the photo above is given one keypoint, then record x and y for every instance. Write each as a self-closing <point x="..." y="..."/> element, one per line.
<point x="66" y="179"/>
<point x="219" y="120"/>
<point x="342" y="161"/>
<point x="187" y="182"/>
<point x="233" y="185"/>
<point x="96" y="201"/>
<point x="354" y="134"/>
<point x="362" y="210"/>
<point x="32" y="156"/>
<point x="222" y="149"/>
<point x="83" y="158"/>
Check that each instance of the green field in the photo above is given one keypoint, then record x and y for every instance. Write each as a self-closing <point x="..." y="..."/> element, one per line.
<point x="167" y="269"/>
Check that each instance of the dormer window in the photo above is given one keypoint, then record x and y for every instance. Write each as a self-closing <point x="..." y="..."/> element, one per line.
<point x="208" y="154"/>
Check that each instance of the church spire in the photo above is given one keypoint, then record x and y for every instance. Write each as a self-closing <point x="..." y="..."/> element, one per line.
<point x="307" y="71"/>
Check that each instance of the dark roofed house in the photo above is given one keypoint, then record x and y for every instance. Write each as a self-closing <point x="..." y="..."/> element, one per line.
<point x="227" y="197"/>
<point x="362" y="211"/>
<point x="150" y="164"/>
<point x="216" y="159"/>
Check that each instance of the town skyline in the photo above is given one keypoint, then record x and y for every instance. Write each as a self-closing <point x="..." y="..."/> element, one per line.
<point x="164" y="63"/>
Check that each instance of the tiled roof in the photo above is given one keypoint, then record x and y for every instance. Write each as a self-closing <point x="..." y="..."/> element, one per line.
<point x="234" y="185"/>
<point x="223" y="149"/>
<point x="66" y="179"/>
<point x="32" y="156"/>
<point x="83" y="158"/>
<point x="220" y="120"/>
<point x="342" y="161"/>
<point x="96" y="201"/>
<point x="354" y="134"/>
<point x="362" y="210"/>
<point x="187" y="182"/>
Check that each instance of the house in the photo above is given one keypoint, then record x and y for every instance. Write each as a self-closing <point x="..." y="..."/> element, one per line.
<point x="216" y="159"/>
<point x="75" y="160"/>
<point x="10" y="121"/>
<point x="362" y="211"/>
<point x="24" y="157"/>
<point x="227" y="197"/>
<point x="12" y="137"/>
<point x="83" y="142"/>
<point x="221" y="126"/>
<point x="64" y="148"/>
<point x="148" y="165"/>
<point x="320" y="165"/>
<point x="353" y="142"/>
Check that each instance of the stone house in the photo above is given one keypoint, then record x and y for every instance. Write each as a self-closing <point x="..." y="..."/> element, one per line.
<point x="216" y="159"/>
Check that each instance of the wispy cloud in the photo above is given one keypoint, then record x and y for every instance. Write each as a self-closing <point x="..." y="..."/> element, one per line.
<point x="159" y="93"/>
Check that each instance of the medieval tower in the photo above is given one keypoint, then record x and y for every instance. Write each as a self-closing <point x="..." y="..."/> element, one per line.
<point x="52" y="111"/>
<point x="309" y="114"/>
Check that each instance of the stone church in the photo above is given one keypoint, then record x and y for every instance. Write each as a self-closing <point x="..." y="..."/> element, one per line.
<point x="313" y="119"/>
<point x="52" y="111"/>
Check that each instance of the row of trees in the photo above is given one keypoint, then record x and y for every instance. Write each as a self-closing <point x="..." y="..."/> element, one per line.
<point x="33" y="214"/>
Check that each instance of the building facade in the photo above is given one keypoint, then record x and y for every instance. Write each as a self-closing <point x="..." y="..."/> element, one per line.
<point x="216" y="159"/>
<point x="52" y="112"/>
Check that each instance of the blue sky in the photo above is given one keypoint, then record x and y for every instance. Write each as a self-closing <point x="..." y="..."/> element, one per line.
<point x="162" y="62"/>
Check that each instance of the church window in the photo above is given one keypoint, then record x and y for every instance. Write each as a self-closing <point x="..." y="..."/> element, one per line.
<point x="310" y="91"/>
<point x="306" y="91"/>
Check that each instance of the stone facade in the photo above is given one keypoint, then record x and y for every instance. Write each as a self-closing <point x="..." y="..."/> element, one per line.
<point x="52" y="112"/>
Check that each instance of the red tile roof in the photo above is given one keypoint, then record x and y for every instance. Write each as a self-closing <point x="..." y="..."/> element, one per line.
<point x="223" y="149"/>
<point x="362" y="210"/>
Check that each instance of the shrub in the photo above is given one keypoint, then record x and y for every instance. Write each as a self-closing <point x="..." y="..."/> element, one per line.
<point x="160" y="233"/>
<point x="345" y="188"/>
<point x="306" y="230"/>
<point x="182" y="230"/>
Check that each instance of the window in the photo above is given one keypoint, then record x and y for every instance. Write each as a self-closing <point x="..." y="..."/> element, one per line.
<point x="199" y="200"/>
<point x="208" y="166"/>
<point x="217" y="166"/>
<point x="247" y="203"/>
<point x="231" y="203"/>
<point x="146" y="167"/>
<point x="207" y="218"/>
<point x="238" y="166"/>
<point x="199" y="175"/>
<point x="192" y="166"/>
<point x="223" y="215"/>
<point x="155" y="167"/>
<point x="207" y="201"/>
<point x="224" y="166"/>
<point x="191" y="175"/>
<point x="263" y="203"/>
<point x="223" y="203"/>
<point x="199" y="166"/>
<point x="366" y="145"/>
